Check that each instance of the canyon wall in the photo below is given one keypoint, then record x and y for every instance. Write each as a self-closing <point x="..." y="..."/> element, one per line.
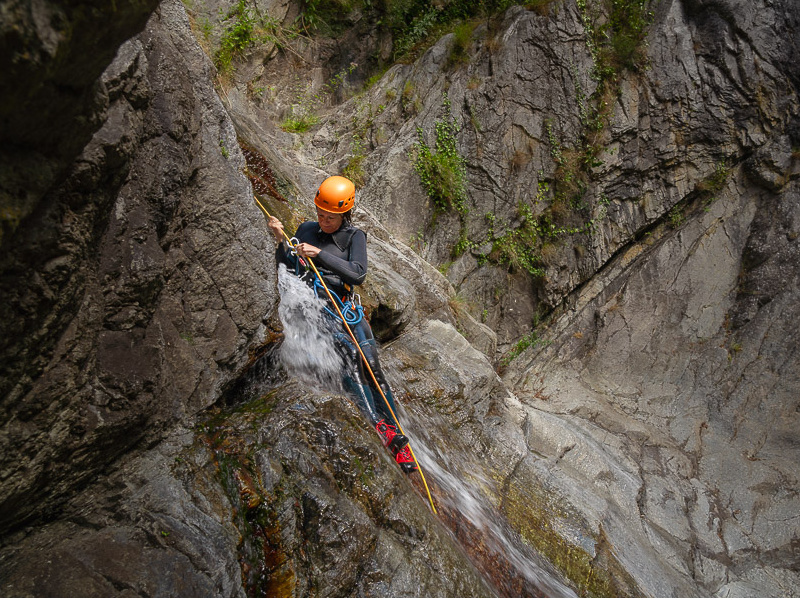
<point x="612" y="416"/>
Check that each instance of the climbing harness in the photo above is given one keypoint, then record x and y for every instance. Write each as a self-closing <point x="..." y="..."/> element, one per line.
<point x="292" y="244"/>
<point x="350" y="309"/>
<point x="350" y="312"/>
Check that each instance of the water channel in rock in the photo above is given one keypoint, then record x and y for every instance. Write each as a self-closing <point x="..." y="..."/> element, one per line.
<point x="461" y="491"/>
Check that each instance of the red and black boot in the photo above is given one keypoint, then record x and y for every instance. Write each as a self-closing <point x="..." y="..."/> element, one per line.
<point x="393" y="440"/>
<point x="406" y="461"/>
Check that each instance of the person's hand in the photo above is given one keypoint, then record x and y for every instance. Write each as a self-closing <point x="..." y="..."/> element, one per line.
<point x="306" y="250"/>
<point x="277" y="228"/>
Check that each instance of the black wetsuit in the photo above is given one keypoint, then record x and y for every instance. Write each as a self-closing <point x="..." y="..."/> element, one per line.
<point x="342" y="262"/>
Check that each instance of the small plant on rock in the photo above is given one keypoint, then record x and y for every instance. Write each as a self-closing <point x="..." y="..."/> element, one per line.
<point x="441" y="169"/>
<point x="462" y="37"/>
<point x="530" y="340"/>
<point x="675" y="217"/>
<point x="237" y="38"/>
<point x="302" y="116"/>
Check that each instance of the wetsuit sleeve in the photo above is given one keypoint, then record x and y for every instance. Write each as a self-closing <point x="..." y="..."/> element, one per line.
<point x="351" y="271"/>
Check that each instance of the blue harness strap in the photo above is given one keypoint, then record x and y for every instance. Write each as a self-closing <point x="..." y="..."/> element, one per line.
<point x="352" y="313"/>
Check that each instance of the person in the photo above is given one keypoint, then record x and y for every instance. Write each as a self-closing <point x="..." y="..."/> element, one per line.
<point x="339" y="251"/>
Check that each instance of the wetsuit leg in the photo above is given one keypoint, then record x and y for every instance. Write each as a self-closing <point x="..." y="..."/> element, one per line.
<point x="354" y="381"/>
<point x="370" y="401"/>
<point x="369" y="347"/>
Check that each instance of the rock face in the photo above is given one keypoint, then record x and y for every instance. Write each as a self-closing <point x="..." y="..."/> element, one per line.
<point x="692" y="411"/>
<point x="641" y="441"/>
<point x="336" y="517"/>
<point x="119" y="317"/>
<point x="51" y="59"/>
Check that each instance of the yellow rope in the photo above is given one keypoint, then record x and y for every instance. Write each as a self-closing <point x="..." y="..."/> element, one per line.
<point x="364" y="358"/>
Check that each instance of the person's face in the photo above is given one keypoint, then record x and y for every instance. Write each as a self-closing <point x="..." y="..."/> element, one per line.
<point x="329" y="222"/>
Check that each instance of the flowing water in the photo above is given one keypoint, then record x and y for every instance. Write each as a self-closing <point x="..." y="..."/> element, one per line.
<point x="462" y="500"/>
<point x="505" y="560"/>
<point x="308" y="352"/>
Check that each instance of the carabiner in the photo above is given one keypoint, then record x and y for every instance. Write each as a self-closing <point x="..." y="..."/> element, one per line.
<point x="293" y="244"/>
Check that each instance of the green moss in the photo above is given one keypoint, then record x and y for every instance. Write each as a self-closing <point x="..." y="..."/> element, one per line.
<point x="533" y="511"/>
<point x="266" y="571"/>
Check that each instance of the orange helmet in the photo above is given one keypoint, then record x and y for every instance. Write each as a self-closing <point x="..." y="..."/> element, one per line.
<point x="336" y="194"/>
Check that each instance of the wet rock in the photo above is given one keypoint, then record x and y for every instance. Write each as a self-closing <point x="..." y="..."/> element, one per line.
<point x="160" y="525"/>
<point x="337" y="516"/>
<point x="52" y="100"/>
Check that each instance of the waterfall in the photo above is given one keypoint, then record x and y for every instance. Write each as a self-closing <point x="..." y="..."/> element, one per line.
<point x="308" y="352"/>
<point x="500" y="554"/>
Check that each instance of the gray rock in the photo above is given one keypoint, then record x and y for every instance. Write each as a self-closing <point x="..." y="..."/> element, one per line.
<point x="129" y="285"/>
<point x="641" y="444"/>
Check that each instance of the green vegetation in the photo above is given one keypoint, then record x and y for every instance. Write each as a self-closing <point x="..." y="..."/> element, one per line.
<point x="442" y="170"/>
<point x="363" y="121"/>
<point x="329" y="17"/>
<point x="354" y="169"/>
<point x="625" y="31"/>
<point x="462" y="37"/>
<point x="526" y="245"/>
<point x="238" y="36"/>
<point x="530" y="340"/>
<point x="615" y="34"/>
<point x="675" y="217"/>
<point x="413" y="25"/>
<point x="416" y="24"/>
<point x="414" y="33"/>
<point x="299" y="120"/>
<point x="244" y="30"/>
<point x="303" y="113"/>
<point x="517" y="247"/>
<point x="716" y="181"/>
<point x="616" y="30"/>
<point x="409" y="100"/>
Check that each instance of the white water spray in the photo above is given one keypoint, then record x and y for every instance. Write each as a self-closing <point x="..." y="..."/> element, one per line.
<point x="467" y="497"/>
<point x="308" y="352"/>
